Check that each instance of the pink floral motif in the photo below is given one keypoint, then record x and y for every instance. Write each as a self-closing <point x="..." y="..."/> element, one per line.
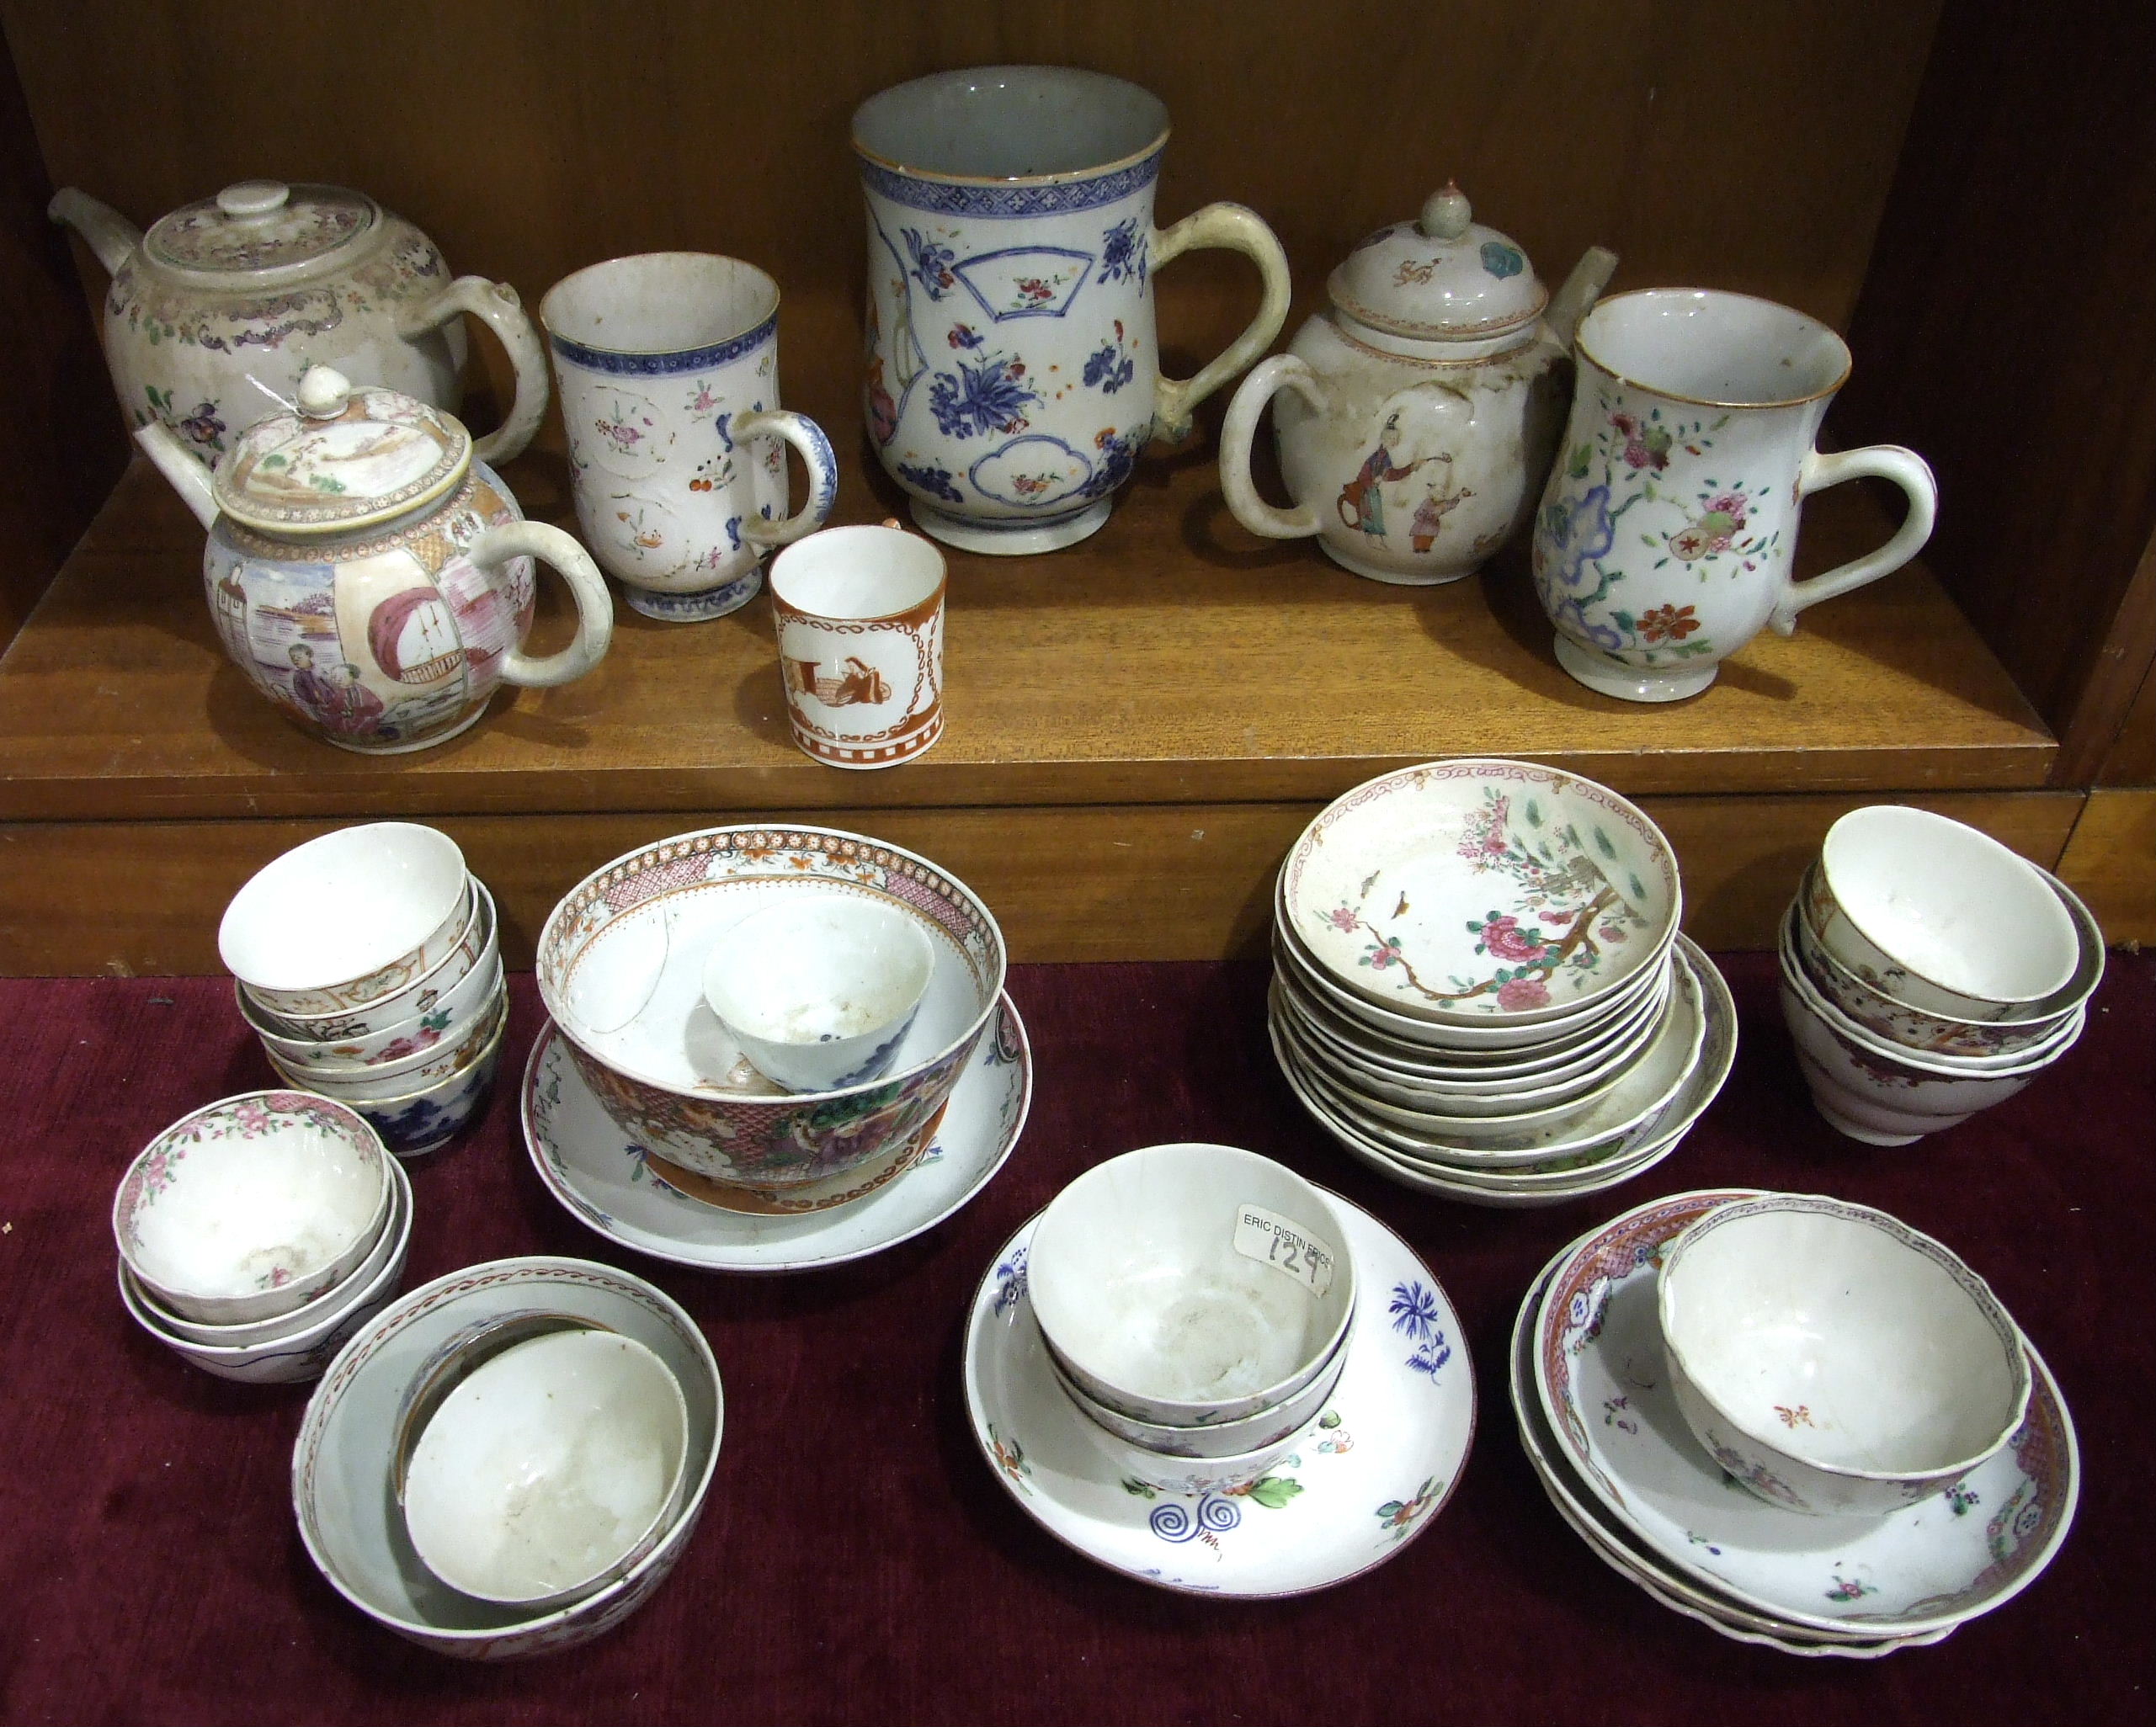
<point x="1504" y="938"/>
<point x="1342" y="918"/>
<point x="1518" y="993"/>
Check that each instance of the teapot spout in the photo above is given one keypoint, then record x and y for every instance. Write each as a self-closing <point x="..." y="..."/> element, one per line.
<point x="1582" y="289"/>
<point x="107" y="232"/>
<point x="189" y="478"/>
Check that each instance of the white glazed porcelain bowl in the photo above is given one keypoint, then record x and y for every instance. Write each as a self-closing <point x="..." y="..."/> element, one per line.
<point x="1833" y="1360"/>
<point x="478" y="947"/>
<point x="620" y="968"/>
<point x="820" y="990"/>
<point x="253" y="1206"/>
<point x="1223" y="1439"/>
<point x="348" y="1516"/>
<point x="1190" y="1284"/>
<point x="416" y="1070"/>
<point x="549" y="1470"/>
<point x="1938" y="915"/>
<point x="347" y="917"/>
<point x="414" y="1123"/>
<point x="302" y="1352"/>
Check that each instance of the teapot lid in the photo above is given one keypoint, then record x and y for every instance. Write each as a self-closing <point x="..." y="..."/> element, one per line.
<point x="1442" y="276"/>
<point x="260" y="227"/>
<point x="349" y="458"/>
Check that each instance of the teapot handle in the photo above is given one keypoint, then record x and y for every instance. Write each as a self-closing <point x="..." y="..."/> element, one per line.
<point x="1233" y="228"/>
<point x="1238" y="434"/>
<point x="1881" y="461"/>
<point x="496" y="304"/>
<point x="594" y="604"/>
<point x="816" y="455"/>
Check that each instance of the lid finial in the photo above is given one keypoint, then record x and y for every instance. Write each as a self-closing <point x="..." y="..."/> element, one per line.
<point x="253" y="198"/>
<point x="1445" y="214"/>
<point x="325" y="393"/>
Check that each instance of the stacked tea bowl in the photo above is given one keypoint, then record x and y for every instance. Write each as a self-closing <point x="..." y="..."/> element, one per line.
<point x="1927" y="972"/>
<point x="1479" y="985"/>
<point x="260" y="1232"/>
<point x="368" y="962"/>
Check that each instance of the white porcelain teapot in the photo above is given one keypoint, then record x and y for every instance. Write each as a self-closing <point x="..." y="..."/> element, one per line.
<point x="1417" y="414"/>
<point x="213" y="315"/>
<point x="367" y="573"/>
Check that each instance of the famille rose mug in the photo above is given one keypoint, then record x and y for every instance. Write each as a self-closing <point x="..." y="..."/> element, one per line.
<point x="668" y="369"/>
<point x="1012" y="375"/>
<point x="1665" y="536"/>
<point x="859" y="617"/>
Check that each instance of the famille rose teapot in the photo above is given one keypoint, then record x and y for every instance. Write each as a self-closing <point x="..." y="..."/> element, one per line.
<point x="368" y="574"/>
<point x="213" y="314"/>
<point x="1416" y="415"/>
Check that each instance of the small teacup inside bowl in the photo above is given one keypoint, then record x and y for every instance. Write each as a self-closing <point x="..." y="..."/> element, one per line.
<point x="253" y="1206"/>
<point x="1191" y="1284"/>
<point x="1832" y="1359"/>
<point x="820" y="991"/>
<point x="550" y="1470"/>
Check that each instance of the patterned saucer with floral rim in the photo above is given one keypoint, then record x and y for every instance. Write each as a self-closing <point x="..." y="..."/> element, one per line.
<point x="1616" y="1547"/>
<point x="1367" y="1477"/>
<point x="1604" y="1392"/>
<point x="620" y="1190"/>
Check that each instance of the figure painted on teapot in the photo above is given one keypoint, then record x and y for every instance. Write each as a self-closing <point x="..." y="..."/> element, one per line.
<point x="368" y="575"/>
<point x="1415" y="416"/>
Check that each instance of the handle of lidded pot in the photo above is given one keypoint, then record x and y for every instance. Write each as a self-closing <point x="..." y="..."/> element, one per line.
<point x="1877" y="462"/>
<point x="1233" y="228"/>
<point x="572" y="563"/>
<point x="1238" y="435"/>
<point x="495" y="304"/>
<point x="816" y="455"/>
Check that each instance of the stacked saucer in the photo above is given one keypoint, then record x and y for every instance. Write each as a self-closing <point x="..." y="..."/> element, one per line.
<point x="1480" y="990"/>
<point x="369" y="964"/>
<point x="1645" y="1450"/>
<point x="1928" y="972"/>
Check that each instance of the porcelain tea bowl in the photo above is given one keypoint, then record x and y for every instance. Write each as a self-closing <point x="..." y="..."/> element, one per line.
<point x="342" y="1492"/>
<point x="251" y="1206"/>
<point x="1189" y="1284"/>
<point x="621" y="963"/>
<point x="820" y="991"/>
<point x="295" y="1346"/>
<point x="477" y="944"/>
<point x="347" y="918"/>
<point x="414" y="1071"/>
<point x="414" y="1123"/>
<point x="1171" y="1473"/>
<point x="549" y="1470"/>
<point x="1220" y="1440"/>
<point x="1483" y="893"/>
<point x="1940" y="916"/>
<point x="1833" y="1360"/>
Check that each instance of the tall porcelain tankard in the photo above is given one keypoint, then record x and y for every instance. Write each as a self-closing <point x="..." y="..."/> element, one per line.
<point x="1666" y="533"/>
<point x="1012" y="375"/>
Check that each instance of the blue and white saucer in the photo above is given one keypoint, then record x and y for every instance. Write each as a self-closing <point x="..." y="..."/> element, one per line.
<point x="614" y="1186"/>
<point x="1370" y="1475"/>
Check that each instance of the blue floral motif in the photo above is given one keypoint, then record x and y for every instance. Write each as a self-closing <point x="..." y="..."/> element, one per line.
<point x="964" y="336"/>
<point x="1123" y="252"/>
<point x="1108" y="368"/>
<point x="1118" y="454"/>
<point x="1578" y="531"/>
<point x="932" y="263"/>
<point x="935" y="481"/>
<point x="1501" y="260"/>
<point x="1010" y="1286"/>
<point x="733" y="532"/>
<point x="985" y="397"/>
<point x="1415" y="1309"/>
<point x="720" y="424"/>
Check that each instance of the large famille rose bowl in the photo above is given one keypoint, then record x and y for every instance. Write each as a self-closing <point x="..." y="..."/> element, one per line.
<point x="620" y="968"/>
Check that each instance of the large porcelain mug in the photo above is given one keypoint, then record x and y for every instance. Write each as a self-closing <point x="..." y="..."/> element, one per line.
<point x="1012" y="375"/>
<point x="1666" y="533"/>
<point x="668" y="364"/>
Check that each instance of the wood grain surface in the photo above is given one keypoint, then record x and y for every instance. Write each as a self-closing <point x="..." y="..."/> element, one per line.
<point x="2111" y="861"/>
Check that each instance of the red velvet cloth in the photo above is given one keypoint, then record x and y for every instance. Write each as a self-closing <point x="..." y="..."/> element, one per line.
<point x="857" y="1563"/>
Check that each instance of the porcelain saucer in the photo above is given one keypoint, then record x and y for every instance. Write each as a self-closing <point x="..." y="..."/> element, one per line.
<point x="614" y="1186"/>
<point x="1369" y="1474"/>
<point x="1610" y="1543"/>
<point x="1604" y="1391"/>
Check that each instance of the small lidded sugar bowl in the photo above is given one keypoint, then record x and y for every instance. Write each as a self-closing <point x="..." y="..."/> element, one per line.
<point x="368" y="574"/>
<point x="1417" y="414"/>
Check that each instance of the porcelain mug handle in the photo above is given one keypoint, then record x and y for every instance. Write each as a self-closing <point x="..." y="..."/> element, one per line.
<point x="495" y="304"/>
<point x="594" y="604"/>
<point x="1236" y="229"/>
<point x="1238" y="436"/>
<point x="1881" y="461"/>
<point x="816" y="455"/>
